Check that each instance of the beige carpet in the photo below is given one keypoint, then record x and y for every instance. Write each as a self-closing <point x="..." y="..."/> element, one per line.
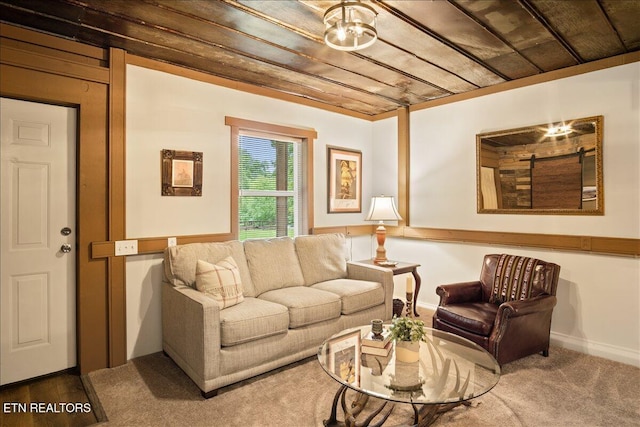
<point x="565" y="389"/>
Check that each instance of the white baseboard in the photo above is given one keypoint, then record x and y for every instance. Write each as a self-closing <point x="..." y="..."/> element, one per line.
<point x="431" y="307"/>
<point x="592" y="348"/>
<point x="581" y="345"/>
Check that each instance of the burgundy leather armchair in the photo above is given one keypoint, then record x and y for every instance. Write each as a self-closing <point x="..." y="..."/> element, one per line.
<point x="508" y="311"/>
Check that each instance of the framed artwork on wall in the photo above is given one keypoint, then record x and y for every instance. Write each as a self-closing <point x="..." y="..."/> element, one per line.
<point x="344" y="180"/>
<point x="181" y="173"/>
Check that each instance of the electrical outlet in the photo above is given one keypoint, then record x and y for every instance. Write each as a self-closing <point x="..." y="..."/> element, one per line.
<point x="172" y="241"/>
<point x="126" y="247"/>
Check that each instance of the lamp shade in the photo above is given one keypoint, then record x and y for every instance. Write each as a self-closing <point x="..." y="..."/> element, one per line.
<point x="383" y="208"/>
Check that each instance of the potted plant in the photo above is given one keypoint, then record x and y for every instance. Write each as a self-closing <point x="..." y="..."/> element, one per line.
<point x="407" y="333"/>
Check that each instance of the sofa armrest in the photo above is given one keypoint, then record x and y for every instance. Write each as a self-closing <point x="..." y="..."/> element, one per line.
<point x="457" y="293"/>
<point x="374" y="273"/>
<point x="191" y="331"/>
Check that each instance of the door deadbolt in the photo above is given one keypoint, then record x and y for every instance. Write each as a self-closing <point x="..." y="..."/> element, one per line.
<point x="65" y="231"/>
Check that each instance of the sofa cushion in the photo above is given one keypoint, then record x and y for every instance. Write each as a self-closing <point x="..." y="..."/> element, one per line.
<point x="306" y="305"/>
<point x="252" y="320"/>
<point x="220" y="281"/>
<point x="273" y="264"/>
<point x="322" y="257"/>
<point x="180" y="262"/>
<point x="356" y="295"/>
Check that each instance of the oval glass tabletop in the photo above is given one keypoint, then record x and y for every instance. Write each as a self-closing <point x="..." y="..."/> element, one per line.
<point x="449" y="369"/>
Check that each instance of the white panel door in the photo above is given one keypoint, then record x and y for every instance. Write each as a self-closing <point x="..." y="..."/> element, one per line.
<point x="37" y="265"/>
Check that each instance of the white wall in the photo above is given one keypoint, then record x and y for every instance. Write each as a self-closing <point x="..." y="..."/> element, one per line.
<point x="598" y="297"/>
<point x="165" y="111"/>
<point x="443" y="151"/>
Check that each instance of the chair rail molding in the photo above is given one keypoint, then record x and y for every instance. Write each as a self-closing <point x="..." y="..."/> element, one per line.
<point x="592" y="244"/>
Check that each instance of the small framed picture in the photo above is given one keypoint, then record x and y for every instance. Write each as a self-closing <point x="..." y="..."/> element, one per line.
<point x="181" y="173"/>
<point x="344" y="357"/>
<point x="344" y="180"/>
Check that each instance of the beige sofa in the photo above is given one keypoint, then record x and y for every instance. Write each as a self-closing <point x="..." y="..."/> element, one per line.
<point x="295" y="294"/>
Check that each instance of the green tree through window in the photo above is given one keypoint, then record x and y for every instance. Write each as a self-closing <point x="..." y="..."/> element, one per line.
<point x="267" y="175"/>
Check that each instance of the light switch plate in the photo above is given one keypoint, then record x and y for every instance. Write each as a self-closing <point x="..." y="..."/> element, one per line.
<point x="126" y="247"/>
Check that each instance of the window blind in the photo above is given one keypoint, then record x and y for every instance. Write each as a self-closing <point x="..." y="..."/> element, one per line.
<point x="269" y="179"/>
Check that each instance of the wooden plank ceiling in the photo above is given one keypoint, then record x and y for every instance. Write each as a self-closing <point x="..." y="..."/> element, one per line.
<point x="426" y="49"/>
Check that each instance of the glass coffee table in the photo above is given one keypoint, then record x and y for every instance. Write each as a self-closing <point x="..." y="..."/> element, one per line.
<point x="450" y="371"/>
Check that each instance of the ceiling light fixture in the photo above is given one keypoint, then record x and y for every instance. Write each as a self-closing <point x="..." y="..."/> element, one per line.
<point x="559" y="130"/>
<point x="350" y="25"/>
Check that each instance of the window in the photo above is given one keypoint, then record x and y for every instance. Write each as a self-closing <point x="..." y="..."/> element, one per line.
<point x="273" y="169"/>
<point x="270" y="190"/>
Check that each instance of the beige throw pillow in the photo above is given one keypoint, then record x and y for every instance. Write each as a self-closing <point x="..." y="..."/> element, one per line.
<point x="220" y="281"/>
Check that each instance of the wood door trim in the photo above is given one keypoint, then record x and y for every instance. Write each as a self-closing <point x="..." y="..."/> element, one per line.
<point x="404" y="164"/>
<point x="42" y="68"/>
<point x="52" y="42"/>
<point x="117" y="214"/>
<point x="51" y="64"/>
<point x="91" y="283"/>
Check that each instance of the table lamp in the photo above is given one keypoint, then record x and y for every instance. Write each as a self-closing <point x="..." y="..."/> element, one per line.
<point x="383" y="208"/>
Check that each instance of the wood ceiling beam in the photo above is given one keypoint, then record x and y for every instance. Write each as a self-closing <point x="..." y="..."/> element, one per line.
<point x="535" y="13"/>
<point x="427" y="51"/>
<point x="409" y="20"/>
<point x="411" y="76"/>
<point x="178" y="33"/>
<point x="370" y="103"/>
<point x="613" y="29"/>
<point x="267" y="60"/>
<point x="494" y="33"/>
<point x="299" y="31"/>
<point x="372" y="60"/>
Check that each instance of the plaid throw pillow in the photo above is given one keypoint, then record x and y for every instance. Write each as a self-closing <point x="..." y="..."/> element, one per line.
<point x="220" y="281"/>
<point x="513" y="279"/>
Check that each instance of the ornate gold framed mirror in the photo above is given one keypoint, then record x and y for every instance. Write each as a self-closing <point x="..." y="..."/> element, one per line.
<point x="551" y="168"/>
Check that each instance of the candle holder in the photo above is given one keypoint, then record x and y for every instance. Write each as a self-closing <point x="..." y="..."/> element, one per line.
<point x="409" y="304"/>
<point x="376" y="328"/>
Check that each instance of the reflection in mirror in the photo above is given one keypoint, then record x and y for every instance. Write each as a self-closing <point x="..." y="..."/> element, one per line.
<point x="553" y="168"/>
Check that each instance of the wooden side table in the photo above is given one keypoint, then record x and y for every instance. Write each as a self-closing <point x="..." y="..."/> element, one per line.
<point x="402" y="268"/>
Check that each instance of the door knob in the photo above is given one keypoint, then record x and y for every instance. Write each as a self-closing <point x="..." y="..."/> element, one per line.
<point x="66" y="248"/>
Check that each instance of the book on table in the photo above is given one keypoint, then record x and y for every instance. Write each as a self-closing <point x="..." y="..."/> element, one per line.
<point x="377" y="351"/>
<point x="381" y="341"/>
